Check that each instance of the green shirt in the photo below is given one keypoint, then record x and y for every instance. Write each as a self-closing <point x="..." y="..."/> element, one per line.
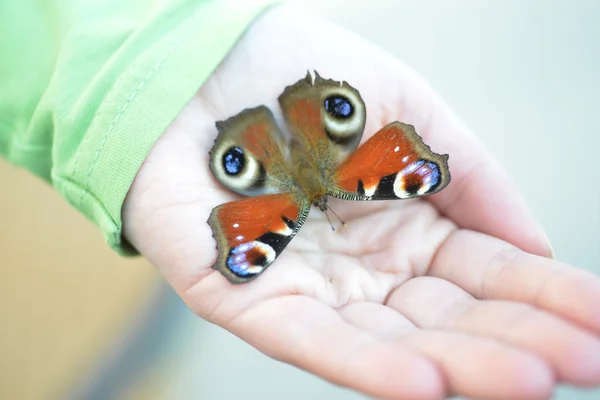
<point x="87" y="87"/>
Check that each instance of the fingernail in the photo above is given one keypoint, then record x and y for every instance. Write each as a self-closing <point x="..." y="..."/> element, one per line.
<point x="552" y="253"/>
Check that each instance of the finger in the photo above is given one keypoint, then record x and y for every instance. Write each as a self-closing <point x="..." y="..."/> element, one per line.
<point x="302" y="331"/>
<point x="482" y="368"/>
<point x="433" y="303"/>
<point x="481" y="196"/>
<point x="472" y="366"/>
<point x="489" y="268"/>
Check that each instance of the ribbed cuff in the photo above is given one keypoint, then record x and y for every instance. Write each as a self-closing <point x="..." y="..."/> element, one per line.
<point x="144" y="99"/>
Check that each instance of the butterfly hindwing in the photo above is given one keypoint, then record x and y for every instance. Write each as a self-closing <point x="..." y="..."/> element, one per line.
<point x="252" y="232"/>
<point x="326" y="119"/>
<point x="393" y="164"/>
<point x="248" y="156"/>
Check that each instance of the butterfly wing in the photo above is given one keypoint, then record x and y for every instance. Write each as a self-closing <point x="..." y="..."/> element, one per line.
<point x="326" y="119"/>
<point x="393" y="164"/>
<point x="248" y="155"/>
<point x="252" y="232"/>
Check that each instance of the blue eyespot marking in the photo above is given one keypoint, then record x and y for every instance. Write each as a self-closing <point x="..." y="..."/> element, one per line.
<point x="417" y="179"/>
<point x="250" y="258"/>
<point x="339" y="107"/>
<point x="237" y="261"/>
<point x="234" y="161"/>
<point x="430" y="173"/>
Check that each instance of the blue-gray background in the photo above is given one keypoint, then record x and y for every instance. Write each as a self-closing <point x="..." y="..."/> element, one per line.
<point x="524" y="75"/>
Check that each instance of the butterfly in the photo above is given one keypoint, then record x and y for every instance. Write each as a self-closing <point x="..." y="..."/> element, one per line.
<point x="325" y="119"/>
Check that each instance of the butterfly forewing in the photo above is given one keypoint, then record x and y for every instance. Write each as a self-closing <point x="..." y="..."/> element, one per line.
<point x="393" y="164"/>
<point x="248" y="155"/>
<point x="252" y="232"/>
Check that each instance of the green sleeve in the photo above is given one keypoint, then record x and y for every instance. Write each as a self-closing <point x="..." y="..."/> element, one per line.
<point x="86" y="88"/>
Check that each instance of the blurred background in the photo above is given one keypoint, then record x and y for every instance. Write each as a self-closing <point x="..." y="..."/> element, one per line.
<point x="76" y="321"/>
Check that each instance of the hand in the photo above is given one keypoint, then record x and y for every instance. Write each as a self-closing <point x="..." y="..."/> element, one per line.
<point x="452" y="295"/>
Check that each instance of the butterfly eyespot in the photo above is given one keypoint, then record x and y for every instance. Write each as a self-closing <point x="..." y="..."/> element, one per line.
<point x="237" y="168"/>
<point x="234" y="161"/>
<point x="250" y="258"/>
<point x="339" y="107"/>
<point x="343" y="114"/>
<point x="417" y="179"/>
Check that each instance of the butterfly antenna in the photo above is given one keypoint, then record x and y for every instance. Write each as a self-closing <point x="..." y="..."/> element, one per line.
<point x="329" y="220"/>
<point x="338" y="217"/>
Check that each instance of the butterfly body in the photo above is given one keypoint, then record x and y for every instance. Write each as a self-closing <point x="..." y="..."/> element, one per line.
<point x="326" y="120"/>
<point x="308" y="177"/>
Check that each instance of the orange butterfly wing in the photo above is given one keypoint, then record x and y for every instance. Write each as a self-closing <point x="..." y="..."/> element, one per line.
<point x="248" y="154"/>
<point x="393" y="164"/>
<point x="252" y="232"/>
<point x="326" y="119"/>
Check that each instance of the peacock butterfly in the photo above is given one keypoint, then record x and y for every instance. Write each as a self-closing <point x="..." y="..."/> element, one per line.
<point x="326" y="120"/>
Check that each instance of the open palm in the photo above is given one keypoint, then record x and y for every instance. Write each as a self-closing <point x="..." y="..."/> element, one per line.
<point x="413" y="299"/>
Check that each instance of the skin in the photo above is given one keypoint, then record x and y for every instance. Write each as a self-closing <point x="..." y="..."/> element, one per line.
<point x="455" y="294"/>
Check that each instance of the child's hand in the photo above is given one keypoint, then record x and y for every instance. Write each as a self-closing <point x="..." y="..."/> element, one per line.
<point x="413" y="299"/>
